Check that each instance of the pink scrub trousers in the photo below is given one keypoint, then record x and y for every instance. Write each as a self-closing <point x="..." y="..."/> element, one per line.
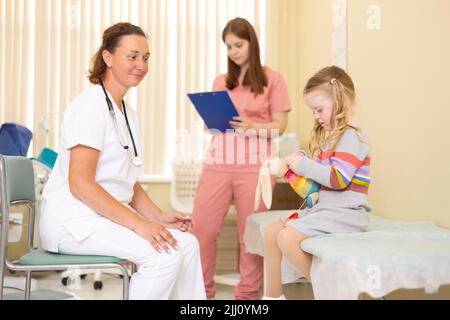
<point x="215" y="192"/>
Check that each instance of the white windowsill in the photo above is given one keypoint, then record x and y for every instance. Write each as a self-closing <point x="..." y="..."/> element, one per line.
<point x="155" y="178"/>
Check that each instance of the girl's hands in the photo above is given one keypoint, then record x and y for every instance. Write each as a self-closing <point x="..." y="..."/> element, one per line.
<point x="158" y="236"/>
<point x="293" y="159"/>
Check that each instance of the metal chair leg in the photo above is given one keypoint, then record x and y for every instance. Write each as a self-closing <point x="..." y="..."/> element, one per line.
<point x="133" y="268"/>
<point x="28" y="286"/>
<point x="126" y="282"/>
<point x="2" y="278"/>
<point x="2" y="270"/>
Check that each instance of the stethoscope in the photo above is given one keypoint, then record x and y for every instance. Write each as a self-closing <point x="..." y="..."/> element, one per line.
<point x="137" y="160"/>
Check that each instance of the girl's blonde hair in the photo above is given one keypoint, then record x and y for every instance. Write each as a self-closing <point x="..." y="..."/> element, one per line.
<point x="338" y="84"/>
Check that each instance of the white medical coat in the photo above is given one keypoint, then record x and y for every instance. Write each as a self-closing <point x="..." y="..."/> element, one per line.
<point x="87" y="121"/>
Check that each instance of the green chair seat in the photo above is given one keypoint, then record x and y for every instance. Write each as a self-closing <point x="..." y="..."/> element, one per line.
<point x="42" y="257"/>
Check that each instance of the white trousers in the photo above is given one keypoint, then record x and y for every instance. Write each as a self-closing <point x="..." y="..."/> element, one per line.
<point x="159" y="276"/>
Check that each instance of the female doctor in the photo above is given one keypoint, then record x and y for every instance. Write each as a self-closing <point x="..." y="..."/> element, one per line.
<point x="93" y="203"/>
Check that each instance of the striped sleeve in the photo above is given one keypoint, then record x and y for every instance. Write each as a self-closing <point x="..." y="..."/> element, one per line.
<point x="336" y="170"/>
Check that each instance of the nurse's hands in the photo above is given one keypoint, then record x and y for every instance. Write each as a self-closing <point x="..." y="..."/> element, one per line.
<point x="176" y="220"/>
<point x="242" y="124"/>
<point x="158" y="236"/>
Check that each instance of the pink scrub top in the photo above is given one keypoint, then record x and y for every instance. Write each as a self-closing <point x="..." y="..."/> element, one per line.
<point x="235" y="152"/>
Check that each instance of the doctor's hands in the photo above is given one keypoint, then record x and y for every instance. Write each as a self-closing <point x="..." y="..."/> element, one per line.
<point x="158" y="236"/>
<point x="176" y="220"/>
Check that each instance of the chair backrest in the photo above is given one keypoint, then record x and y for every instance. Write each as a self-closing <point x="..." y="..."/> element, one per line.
<point x="184" y="185"/>
<point x="17" y="179"/>
<point x="14" y="140"/>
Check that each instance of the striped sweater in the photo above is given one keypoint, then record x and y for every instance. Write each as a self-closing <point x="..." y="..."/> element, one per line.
<point x="345" y="169"/>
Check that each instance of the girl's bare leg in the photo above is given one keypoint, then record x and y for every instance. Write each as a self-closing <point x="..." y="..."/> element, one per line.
<point x="289" y="240"/>
<point x="272" y="260"/>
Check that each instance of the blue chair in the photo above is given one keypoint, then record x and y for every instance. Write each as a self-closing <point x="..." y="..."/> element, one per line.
<point x="14" y="139"/>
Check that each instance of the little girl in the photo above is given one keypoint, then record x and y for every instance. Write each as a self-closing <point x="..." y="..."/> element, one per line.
<point x="341" y="167"/>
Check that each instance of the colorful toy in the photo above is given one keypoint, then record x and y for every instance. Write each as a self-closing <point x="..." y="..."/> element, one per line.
<point x="306" y="188"/>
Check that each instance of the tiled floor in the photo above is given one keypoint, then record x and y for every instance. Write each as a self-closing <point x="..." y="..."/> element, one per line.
<point x="112" y="288"/>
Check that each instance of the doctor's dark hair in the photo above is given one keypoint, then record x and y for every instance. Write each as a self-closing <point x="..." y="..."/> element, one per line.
<point x="111" y="39"/>
<point x="255" y="76"/>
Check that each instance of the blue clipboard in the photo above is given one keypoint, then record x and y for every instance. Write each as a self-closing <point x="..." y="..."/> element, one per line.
<point x="215" y="108"/>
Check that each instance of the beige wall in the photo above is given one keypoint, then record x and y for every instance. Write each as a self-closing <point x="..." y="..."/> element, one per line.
<point x="160" y="194"/>
<point x="402" y="74"/>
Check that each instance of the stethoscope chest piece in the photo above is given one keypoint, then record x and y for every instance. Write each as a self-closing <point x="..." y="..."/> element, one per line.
<point x="137" y="161"/>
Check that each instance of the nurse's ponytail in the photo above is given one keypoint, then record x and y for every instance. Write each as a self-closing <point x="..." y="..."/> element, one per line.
<point x="111" y="39"/>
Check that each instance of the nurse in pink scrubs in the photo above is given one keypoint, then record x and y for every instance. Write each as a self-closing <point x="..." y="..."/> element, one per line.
<point x="231" y="166"/>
